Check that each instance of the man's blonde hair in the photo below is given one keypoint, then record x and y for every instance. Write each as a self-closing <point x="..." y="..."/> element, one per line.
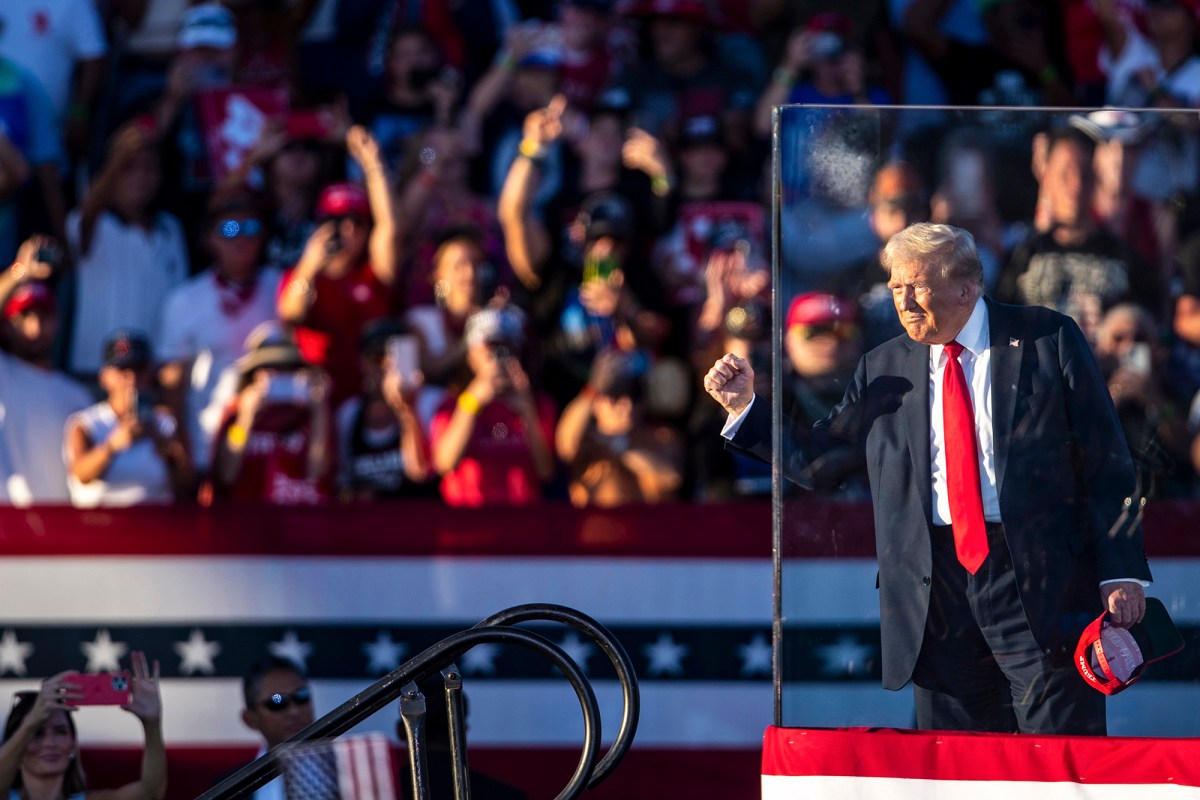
<point x="952" y="250"/>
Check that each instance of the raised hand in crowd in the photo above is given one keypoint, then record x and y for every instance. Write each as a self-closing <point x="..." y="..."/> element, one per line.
<point x="384" y="247"/>
<point x="400" y="391"/>
<point x="145" y="701"/>
<point x="797" y="56"/>
<point x="520" y="390"/>
<point x="526" y="240"/>
<point x="321" y="244"/>
<point x="130" y="428"/>
<point x="545" y="125"/>
<point x="36" y="260"/>
<point x="729" y="279"/>
<point x="444" y="93"/>
<point x="645" y="153"/>
<point x="491" y="88"/>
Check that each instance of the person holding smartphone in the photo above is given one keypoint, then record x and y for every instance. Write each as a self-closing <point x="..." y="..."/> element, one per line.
<point x="493" y="442"/>
<point x="1132" y="360"/>
<point x="382" y="449"/>
<point x="126" y="450"/>
<point x="40" y="753"/>
<point x="346" y="274"/>
<point x="274" y="444"/>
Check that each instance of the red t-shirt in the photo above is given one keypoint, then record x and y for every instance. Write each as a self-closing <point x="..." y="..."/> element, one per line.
<point x="328" y="337"/>
<point x="497" y="466"/>
<point x="274" y="465"/>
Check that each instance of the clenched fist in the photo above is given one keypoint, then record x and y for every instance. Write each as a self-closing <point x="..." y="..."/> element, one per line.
<point x="731" y="383"/>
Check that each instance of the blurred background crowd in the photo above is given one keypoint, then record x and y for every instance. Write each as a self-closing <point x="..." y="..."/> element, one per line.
<point x="308" y="251"/>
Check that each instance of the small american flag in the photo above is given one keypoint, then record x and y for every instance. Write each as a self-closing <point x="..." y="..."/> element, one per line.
<point x="349" y="768"/>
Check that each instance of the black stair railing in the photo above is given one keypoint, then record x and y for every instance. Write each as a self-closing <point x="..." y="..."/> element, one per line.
<point x="401" y="685"/>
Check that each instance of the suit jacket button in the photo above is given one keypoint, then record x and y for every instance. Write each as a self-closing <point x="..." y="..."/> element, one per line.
<point x="925" y="581"/>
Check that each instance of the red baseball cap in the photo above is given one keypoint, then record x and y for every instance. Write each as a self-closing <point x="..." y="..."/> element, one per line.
<point x="1111" y="659"/>
<point x="27" y="296"/>
<point x="817" y="308"/>
<point x="342" y="200"/>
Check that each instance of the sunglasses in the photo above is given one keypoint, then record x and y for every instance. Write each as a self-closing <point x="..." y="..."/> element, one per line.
<point x="233" y="228"/>
<point x="280" y="702"/>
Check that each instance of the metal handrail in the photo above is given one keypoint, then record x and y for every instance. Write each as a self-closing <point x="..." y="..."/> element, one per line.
<point x="495" y="629"/>
<point x="631" y="697"/>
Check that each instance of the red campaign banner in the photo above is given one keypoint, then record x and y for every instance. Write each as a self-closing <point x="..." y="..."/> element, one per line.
<point x="232" y="120"/>
<point x="885" y="763"/>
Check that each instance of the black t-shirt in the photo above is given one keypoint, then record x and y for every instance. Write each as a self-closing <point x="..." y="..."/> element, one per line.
<point x="1083" y="281"/>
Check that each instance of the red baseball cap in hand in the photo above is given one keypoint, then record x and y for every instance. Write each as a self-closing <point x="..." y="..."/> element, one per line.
<point x="1111" y="659"/>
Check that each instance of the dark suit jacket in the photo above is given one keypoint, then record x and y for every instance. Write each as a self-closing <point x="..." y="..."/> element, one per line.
<point x="1066" y="482"/>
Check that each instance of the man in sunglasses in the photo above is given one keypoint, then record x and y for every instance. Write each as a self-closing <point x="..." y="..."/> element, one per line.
<point x="207" y="319"/>
<point x="278" y="705"/>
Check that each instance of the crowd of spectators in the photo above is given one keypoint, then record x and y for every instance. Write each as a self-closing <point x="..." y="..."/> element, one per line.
<point x="303" y="251"/>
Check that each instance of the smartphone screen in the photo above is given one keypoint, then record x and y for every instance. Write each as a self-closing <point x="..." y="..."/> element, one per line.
<point x="102" y="689"/>
<point x="1137" y="360"/>
<point x="290" y="388"/>
<point x="404" y="355"/>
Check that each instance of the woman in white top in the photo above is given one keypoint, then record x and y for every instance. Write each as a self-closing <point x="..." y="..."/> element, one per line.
<point x="128" y="254"/>
<point x="124" y="451"/>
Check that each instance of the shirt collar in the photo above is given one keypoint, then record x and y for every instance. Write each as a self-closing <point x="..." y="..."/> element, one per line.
<point x="973" y="336"/>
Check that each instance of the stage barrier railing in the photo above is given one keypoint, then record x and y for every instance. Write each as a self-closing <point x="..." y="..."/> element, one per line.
<point x="401" y="685"/>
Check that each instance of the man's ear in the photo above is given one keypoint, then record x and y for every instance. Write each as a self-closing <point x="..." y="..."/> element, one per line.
<point x="967" y="293"/>
<point x="250" y="719"/>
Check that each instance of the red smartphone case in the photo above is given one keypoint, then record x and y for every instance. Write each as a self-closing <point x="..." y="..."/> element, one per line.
<point x="102" y="689"/>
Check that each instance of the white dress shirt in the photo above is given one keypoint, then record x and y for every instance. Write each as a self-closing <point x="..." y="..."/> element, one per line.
<point x="976" y="360"/>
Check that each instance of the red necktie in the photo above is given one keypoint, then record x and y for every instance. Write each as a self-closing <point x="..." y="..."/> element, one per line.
<point x="962" y="465"/>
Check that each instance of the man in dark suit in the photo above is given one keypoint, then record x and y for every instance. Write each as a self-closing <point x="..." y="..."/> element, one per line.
<point x="1006" y="504"/>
